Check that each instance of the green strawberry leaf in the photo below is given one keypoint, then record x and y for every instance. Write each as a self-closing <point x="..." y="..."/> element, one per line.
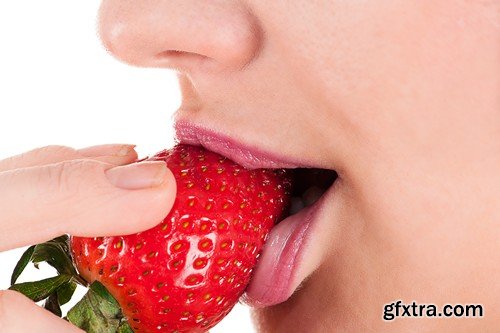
<point x="56" y="253"/>
<point x="98" y="312"/>
<point x="52" y="305"/>
<point x="124" y="328"/>
<point x="40" y="290"/>
<point x="21" y="264"/>
<point x="61" y="296"/>
<point x="65" y="292"/>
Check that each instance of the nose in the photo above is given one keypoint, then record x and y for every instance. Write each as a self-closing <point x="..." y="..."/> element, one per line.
<point x="180" y="34"/>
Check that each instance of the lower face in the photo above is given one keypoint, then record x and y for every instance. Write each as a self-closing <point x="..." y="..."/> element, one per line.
<point x="383" y="97"/>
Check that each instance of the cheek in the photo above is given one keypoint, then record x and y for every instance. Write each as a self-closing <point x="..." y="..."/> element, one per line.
<point x="347" y="58"/>
<point x="364" y="60"/>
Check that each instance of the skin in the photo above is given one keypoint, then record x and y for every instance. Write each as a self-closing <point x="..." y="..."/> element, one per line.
<point x="400" y="97"/>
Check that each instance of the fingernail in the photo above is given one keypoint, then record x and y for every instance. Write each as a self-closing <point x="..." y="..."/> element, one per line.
<point x="137" y="176"/>
<point x="107" y="150"/>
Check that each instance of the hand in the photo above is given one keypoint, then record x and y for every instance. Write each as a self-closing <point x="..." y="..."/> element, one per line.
<point x="58" y="190"/>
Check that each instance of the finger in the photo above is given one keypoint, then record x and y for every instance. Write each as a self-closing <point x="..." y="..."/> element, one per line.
<point x="20" y="314"/>
<point x="117" y="154"/>
<point x="82" y="198"/>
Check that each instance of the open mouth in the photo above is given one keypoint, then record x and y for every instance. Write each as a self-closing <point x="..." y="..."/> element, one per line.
<point x="288" y="253"/>
<point x="309" y="184"/>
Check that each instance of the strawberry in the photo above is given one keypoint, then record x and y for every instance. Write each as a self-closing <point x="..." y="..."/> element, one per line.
<point x="186" y="274"/>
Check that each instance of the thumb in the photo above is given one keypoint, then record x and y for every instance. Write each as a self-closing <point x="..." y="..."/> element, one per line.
<point x="16" y="308"/>
<point x="83" y="198"/>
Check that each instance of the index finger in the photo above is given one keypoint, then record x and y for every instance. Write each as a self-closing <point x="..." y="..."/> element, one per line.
<point x="110" y="153"/>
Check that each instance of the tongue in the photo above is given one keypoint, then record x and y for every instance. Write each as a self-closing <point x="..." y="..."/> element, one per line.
<point x="274" y="277"/>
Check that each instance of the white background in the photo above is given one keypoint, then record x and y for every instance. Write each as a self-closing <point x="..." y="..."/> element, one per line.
<point x="59" y="86"/>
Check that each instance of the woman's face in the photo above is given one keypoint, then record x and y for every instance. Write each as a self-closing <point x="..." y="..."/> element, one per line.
<point x="397" y="96"/>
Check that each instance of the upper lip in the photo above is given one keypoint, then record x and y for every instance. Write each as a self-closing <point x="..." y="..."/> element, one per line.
<point x="247" y="156"/>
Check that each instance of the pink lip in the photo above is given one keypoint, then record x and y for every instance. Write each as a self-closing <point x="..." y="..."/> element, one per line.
<point x="275" y="278"/>
<point x="249" y="157"/>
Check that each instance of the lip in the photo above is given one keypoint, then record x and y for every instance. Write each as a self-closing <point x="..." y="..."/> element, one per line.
<point x="245" y="155"/>
<point x="285" y="256"/>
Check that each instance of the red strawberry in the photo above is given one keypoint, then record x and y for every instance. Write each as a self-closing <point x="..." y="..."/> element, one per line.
<point x="187" y="273"/>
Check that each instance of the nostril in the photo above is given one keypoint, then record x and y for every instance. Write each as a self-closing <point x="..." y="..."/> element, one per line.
<point x="175" y="54"/>
<point x="184" y="61"/>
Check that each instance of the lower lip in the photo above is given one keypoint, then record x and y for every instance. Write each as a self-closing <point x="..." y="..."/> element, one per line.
<point x="275" y="278"/>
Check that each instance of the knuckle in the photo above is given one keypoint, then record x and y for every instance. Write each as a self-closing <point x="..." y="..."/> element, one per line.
<point x="54" y="150"/>
<point x="68" y="174"/>
<point x="67" y="179"/>
<point x="38" y="156"/>
<point x="69" y="184"/>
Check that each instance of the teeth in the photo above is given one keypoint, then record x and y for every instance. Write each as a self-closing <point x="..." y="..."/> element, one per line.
<point x="296" y="204"/>
<point x="309" y="197"/>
